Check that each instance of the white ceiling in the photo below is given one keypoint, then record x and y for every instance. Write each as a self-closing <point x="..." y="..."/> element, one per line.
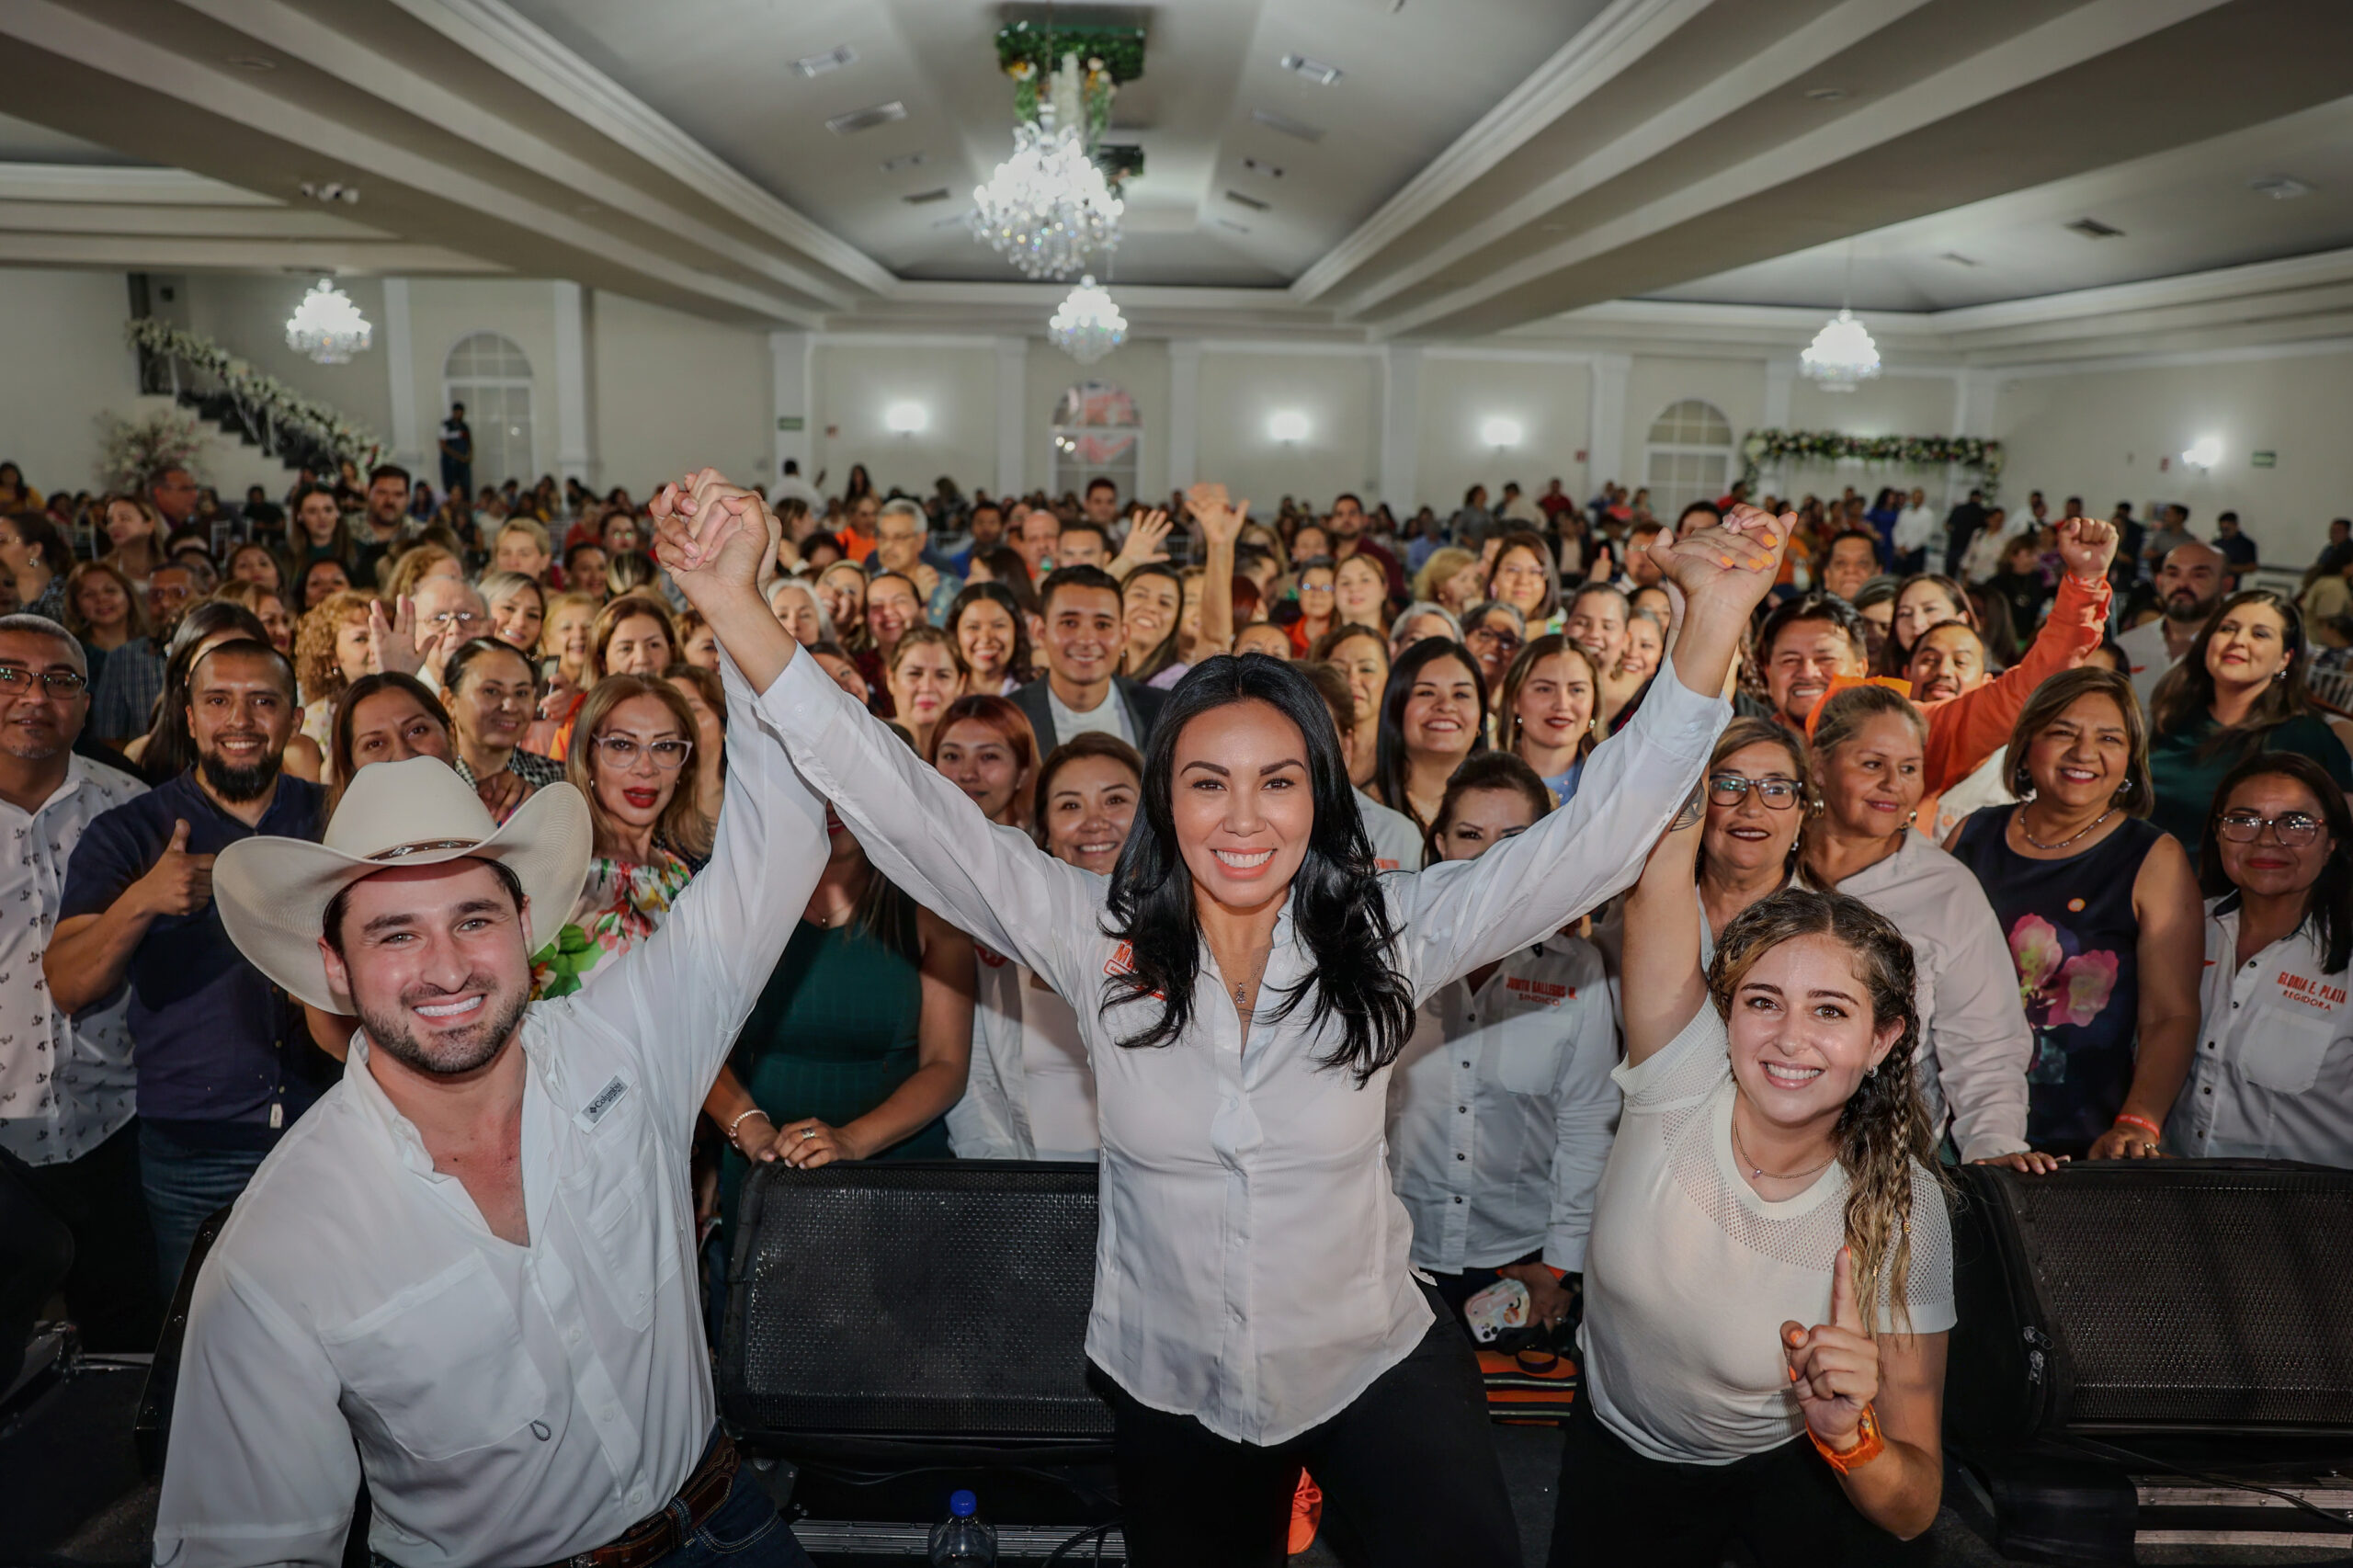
<point x="1525" y="167"/>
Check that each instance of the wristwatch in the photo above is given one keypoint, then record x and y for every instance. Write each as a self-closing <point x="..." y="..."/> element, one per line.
<point x="1870" y="1443"/>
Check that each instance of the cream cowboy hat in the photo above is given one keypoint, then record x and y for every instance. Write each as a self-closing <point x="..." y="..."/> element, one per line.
<point x="274" y="892"/>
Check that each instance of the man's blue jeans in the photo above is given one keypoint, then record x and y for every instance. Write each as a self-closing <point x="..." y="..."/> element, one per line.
<point x="184" y="1186"/>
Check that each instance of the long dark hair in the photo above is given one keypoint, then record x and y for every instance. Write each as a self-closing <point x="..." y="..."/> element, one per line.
<point x="2187" y="693"/>
<point x="1163" y="652"/>
<point x="1390" y="768"/>
<point x="1336" y="902"/>
<point x="1022" y="662"/>
<point x="2329" y="902"/>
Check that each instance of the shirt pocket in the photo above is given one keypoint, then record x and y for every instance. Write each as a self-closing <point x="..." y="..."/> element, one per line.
<point x="2282" y="1052"/>
<point x="1529" y="1038"/>
<point x="622" y="1208"/>
<point x="441" y="1366"/>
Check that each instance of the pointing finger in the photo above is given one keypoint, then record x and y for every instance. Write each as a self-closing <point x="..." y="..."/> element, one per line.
<point x="1844" y="1314"/>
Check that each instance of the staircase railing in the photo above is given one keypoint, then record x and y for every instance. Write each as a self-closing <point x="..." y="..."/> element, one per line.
<point x="197" y="373"/>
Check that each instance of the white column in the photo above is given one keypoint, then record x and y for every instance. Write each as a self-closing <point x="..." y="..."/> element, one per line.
<point x="1012" y="414"/>
<point x="792" y="394"/>
<point x="1184" y="412"/>
<point x="1400" y="428"/>
<point x="1606" y="423"/>
<point x="1972" y="415"/>
<point x="574" y="457"/>
<point x="400" y="382"/>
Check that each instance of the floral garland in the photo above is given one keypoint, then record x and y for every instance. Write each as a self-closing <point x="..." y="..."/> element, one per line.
<point x="1764" y="447"/>
<point x="280" y="406"/>
<point x="131" y="452"/>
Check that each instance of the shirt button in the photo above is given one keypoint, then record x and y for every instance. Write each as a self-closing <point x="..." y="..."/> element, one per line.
<point x="637" y="1497"/>
<point x="2206" y="1091"/>
<point x="1463" y="1109"/>
<point x="1462" y="1156"/>
<point x="1458" y="1200"/>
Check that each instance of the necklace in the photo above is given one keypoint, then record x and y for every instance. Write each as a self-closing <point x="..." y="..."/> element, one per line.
<point x="1757" y="1170"/>
<point x="2028" y="835"/>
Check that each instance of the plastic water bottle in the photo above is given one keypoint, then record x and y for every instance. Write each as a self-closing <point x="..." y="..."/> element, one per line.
<point x="963" y="1540"/>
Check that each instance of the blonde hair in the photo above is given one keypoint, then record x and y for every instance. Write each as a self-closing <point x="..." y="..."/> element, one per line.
<point x="574" y="599"/>
<point x="1442" y="564"/>
<point x="315" y="665"/>
<point x="682" y="826"/>
<point x="414" y="565"/>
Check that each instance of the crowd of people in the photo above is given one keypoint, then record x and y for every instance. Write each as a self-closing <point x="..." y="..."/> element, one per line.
<point x="2027" y="778"/>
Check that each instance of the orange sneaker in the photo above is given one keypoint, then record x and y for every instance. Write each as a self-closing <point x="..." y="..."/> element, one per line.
<point x="1306" y="1514"/>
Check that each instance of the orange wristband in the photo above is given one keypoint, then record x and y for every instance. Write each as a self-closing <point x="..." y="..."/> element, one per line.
<point x="1869" y="1445"/>
<point x="2126" y="1118"/>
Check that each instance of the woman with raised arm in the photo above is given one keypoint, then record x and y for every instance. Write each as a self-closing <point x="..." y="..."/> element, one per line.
<point x="1770" y="1172"/>
<point x="1248" y="978"/>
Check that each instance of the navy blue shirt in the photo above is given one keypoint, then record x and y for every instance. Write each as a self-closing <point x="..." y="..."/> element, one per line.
<point x="222" y="1056"/>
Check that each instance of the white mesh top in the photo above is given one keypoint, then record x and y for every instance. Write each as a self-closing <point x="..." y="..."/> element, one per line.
<point x="1690" y="1275"/>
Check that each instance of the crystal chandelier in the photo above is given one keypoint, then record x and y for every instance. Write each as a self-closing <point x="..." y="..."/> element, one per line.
<point x="1087" y="325"/>
<point x="327" y="326"/>
<point x="1841" y="355"/>
<point x="1048" y="208"/>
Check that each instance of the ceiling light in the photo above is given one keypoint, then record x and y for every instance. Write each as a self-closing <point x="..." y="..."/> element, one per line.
<point x="332" y="191"/>
<point x="1841" y="355"/>
<point x="905" y="418"/>
<point x="1825" y="94"/>
<point x="867" y="118"/>
<point x="2281" y="188"/>
<point x="1087" y="325"/>
<point x="1315" y="71"/>
<point x="1252" y="202"/>
<point x="1287" y="427"/>
<point x="924" y="197"/>
<point x="831" y="60"/>
<point x="2204" y="452"/>
<point x="904" y="161"/>
<point x="1287" y="125"/>
<point x="1257" y="166"/>
<point x="1500" y="433"/>
<point x="2093" y="229"/>
<point x="327" y="326"/>
<point x="1047" y="207"/>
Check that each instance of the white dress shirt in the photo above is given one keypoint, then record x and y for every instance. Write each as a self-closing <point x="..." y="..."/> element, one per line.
<point x="1030" y="1094"/>
<point x="1251" y="1266"/>
<point x="1397" y="843"/>
<point x="2273" y="1077"/>
<point x="1974" y="1043"/>
<point x="65" y="1084"/>
<point x="509" y="1404"/>
<point x="2147" y="657"/>
<point x="1500" y="1112"/>
<point x="1917" y="528"/>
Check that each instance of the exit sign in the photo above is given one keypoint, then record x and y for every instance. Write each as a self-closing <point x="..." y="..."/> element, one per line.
<point x="2264" y="460"/>
<point x="790" y="422"/>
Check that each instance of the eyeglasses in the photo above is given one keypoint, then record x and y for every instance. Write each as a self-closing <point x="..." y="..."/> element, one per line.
<point x="16" y="682"/>
<point x="622" y="752"/>
<point x="1731" y="788"/>
<point x="1497" y="635"/>
<point x="2292" y="829"/>
<point x="465" y="617"/>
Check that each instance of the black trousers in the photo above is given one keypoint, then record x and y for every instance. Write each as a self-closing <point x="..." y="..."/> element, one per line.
<point x="35" y="1251"/>
<point x="1785" y="1505"/>
<point x="111" y="1289"/>
<point x="1409" y="1475"/>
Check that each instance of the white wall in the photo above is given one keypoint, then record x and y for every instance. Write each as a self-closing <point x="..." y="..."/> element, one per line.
<point x="67" y="364"/>
<point x="444" y="310"/>
<point x="858" y="383"/>
<point x="669" y="393"/>
<point x="1138" y="368"/>
<point x="1551" y="398"/>
<point x="1242" y="390"/>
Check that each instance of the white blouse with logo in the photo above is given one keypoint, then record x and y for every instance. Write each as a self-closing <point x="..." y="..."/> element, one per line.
<point x="2273" y="1078"/>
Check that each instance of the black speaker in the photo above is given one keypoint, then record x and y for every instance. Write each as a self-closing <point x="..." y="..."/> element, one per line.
<point x="2153" y="1297"/>
<point x="926" y="1300"/>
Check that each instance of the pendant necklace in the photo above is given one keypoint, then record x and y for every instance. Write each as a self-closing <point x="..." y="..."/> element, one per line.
<point x="1755" y="1170"/>
<point x="2028" y="834"/>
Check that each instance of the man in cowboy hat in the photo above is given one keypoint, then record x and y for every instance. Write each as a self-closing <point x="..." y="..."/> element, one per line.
<point x="467" y="1274"/>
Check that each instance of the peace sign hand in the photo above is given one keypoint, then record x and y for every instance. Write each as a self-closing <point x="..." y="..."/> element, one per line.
<point x="1834" y="1367"/>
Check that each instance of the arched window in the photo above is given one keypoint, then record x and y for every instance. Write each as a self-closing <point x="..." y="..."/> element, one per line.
<point x="492" y="376"/>
<point x="1095" y="435"/>
<point x="1688" y="457"/>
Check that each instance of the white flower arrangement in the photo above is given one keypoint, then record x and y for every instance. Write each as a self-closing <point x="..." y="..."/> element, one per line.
<point x="264" y="397"/>
<point x="132" y="450"/>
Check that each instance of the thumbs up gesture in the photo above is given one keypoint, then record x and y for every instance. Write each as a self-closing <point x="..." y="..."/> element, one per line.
<point x="178" y="882"/>
<point x="1834" y="1367"/>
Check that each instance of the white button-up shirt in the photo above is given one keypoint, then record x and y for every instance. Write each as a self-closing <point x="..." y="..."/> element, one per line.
<point x="2273" y="1078"/>
<point x="1974" y="1043"/>
<point x="1030" y="1094"/>
<point x="1251" y="1266"/>
<point x="1397" y="842"/>
<point x="509" y="1404"/>
<point x="1500" y="1112"/>
<point x="65" y="1084"/>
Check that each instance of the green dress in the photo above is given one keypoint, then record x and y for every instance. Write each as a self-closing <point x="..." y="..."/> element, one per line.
<point x="832" y="1035"/>
<point x="2187" y="782"/>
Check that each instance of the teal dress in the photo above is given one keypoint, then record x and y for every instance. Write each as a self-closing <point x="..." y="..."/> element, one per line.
<point x="2187" y="781"/>
<point x="833" y="1036"/>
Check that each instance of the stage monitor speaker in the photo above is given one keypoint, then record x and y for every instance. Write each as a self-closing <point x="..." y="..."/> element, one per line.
<point x="2153" y="1296"/>
<point x="940" y="1300"/>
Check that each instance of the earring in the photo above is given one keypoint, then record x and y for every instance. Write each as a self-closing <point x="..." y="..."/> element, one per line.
<point x="2124" y="789"/>
<point x="1872" y="1071"/>
<point x="1913" y="818"/>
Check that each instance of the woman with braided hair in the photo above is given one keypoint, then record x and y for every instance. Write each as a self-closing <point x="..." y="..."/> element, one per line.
<point x="1771" y="1171"/>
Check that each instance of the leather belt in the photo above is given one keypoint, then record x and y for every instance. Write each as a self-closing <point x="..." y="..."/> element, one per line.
<point x="658" y="1535"/>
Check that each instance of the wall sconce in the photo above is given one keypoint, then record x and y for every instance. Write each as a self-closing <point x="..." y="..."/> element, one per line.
<point x="2204" y="452"/>
<point x="905" y="418"/>
<point x="1500" y="433"/>
<point x="1288" y="427"/>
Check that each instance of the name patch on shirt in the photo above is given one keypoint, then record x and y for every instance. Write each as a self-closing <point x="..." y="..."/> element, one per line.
<point x="1542" y="991"/>
<point x="2310" y="993"/>
<point x="1123" y="961"/>
<point x="594" y="1111"/>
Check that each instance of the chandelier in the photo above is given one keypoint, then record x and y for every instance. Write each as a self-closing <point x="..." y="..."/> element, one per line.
<point x="1088" y="326"/>
<point x="327" y="326"/>
<point x="1048" y="208"/>
<point x="1841" y="355"/>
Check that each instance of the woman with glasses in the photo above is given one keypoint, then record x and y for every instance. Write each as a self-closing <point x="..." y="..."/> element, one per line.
<point x="1525" y="578"/>
<point x="2100" y="911"/>
<point x="1315" y="604"/>
<point x="2273" y="1076"/>
<point x="633" y="738"/>
<point x="491" y="695"/>
<point x="1496" y="632"/>
<point x="2237" y="692"/>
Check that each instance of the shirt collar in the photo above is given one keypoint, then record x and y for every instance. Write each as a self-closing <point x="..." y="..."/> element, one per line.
<point x="368" y="1094"/>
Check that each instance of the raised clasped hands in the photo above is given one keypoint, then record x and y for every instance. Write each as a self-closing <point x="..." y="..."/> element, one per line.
<point x="714" y="538"/>
<point x="1729" y="568"/>
<point x="1834" y="1367"/>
